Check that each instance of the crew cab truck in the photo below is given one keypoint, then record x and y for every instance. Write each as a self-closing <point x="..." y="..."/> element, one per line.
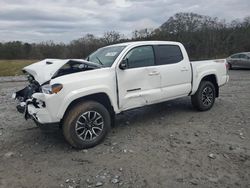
<point x="85" y="95"/>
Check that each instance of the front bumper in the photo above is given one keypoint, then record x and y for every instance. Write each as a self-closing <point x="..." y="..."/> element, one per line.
<point x="39" y="115"/>
<point x="34" y="108"/>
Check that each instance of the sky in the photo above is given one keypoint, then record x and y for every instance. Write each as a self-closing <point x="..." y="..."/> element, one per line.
<point x="66" y="20"/>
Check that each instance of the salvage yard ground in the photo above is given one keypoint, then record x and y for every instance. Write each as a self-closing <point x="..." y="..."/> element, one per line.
<point x="163" y="145"/>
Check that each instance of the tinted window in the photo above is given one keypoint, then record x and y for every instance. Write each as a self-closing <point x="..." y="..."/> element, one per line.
<point x="243" y="56"/>
<point x="167" y="54"/>
<point x="142" y="56"/>
<point x="235" y="56"/>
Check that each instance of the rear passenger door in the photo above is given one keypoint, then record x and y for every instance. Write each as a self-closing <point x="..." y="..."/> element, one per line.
<point x="175" y="71"/>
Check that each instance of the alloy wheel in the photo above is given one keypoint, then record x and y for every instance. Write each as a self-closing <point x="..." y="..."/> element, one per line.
<point x="89" y="125"/>
<point x="207" y="96"/>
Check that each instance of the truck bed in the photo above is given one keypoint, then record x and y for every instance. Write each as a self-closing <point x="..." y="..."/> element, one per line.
<point x="215" y="67"/>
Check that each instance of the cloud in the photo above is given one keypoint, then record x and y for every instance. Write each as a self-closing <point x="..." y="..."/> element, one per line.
<point x="65" y="20"/>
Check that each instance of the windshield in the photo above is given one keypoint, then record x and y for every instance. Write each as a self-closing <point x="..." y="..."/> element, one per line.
<point x="105" y="56"/>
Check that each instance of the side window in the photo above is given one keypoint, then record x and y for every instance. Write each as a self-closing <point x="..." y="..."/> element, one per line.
<point x="167" y="54"/>
<point x="235" y="56"/>
<point x="243" y="56"/>
<point x="141" y="56"/>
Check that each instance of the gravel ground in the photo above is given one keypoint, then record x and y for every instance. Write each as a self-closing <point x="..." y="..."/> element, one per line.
<point x="164" y="145"/>
<point x="12" y="79"/>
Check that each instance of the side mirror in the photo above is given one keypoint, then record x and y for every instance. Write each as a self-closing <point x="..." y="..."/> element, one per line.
<point x="124" y="64"/>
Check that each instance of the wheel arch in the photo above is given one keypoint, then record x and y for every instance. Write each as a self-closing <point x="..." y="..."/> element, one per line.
<point x="101" y="98"/>
<point x="213" y="79"/>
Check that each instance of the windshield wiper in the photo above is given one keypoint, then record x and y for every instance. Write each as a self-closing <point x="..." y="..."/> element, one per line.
<point x="99" y="60"/>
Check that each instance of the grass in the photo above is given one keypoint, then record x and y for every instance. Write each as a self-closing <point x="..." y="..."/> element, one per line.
<point x="13" y="67"/>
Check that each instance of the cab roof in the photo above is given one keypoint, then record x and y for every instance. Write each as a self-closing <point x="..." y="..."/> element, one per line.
<point x="145" y="43"/>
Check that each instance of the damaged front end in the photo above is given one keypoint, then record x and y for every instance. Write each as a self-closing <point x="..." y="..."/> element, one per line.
<point x="35" y="101"/>
<point x="24" y="97"/>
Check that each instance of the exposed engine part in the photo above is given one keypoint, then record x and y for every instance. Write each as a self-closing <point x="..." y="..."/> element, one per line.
<point x="26" y="93"/>
<point x="74" y="66"/>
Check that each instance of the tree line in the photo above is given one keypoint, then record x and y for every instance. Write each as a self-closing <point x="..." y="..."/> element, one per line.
<point x="204" y="37"/>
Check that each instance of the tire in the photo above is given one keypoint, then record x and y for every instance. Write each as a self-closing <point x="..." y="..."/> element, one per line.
<point x="230" y="66"/>
<point x="86" y="124"/>
<point x="204" y="97"/>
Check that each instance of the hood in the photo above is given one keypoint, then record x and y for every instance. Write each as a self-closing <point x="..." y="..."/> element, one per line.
<point x="47" y="69"/>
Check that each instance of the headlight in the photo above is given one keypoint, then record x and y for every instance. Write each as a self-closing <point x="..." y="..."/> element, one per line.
<point x="56" y="88"/>
<point x="46" y="89"/>
<point x="50" y="89"/>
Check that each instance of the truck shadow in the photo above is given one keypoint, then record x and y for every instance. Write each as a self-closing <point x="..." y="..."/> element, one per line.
<point x="154" y="112"/>
<point x="52" y="136"/>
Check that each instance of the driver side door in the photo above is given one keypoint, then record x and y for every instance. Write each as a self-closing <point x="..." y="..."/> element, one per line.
<point x="139" y="82"/>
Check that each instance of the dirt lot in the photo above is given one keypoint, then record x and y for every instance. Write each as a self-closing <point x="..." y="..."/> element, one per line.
<point x="164" y="145"/>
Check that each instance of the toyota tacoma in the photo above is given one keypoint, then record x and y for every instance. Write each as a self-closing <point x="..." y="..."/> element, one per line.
<point x="83" y="96"/>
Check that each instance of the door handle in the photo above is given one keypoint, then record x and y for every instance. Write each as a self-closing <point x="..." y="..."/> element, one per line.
<point x="184" y="69"/>
<point x="153" y="73"/>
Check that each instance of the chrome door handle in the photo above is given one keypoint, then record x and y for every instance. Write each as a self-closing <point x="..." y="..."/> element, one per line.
<point x="153" y="73"/>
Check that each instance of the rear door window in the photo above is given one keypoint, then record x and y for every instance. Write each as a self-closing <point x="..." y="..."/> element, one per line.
<point x="167" y="54"/>
<point x="243" y="56"/>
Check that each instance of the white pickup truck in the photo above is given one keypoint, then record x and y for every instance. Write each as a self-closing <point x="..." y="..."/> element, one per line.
<point x="83" y="96"/>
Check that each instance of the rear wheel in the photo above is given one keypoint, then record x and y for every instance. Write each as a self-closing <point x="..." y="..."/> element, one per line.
<point x="204" y="97"/>
<point x="86" y="124"/>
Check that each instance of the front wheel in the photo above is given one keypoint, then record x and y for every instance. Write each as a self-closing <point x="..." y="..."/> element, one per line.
<point x="204" y="97"/>
<point x="86" y="124"/>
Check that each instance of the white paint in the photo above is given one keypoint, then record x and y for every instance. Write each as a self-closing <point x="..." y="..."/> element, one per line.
<point x="148" y="84"/>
